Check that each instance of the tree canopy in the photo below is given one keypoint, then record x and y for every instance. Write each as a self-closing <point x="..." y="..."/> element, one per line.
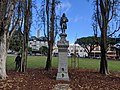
<point x="89" y="43"/>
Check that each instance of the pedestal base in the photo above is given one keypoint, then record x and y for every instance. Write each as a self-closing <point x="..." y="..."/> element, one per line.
<point x="62" y="76"/>
<point x="63" y="45"/>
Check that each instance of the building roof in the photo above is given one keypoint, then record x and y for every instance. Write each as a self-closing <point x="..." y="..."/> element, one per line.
<point x="117" y="45"/>
<point x="74" y="44"/>
<point x="37" y="39"/>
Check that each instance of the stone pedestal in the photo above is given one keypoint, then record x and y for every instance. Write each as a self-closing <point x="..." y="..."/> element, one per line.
<point x="63" y="45"/>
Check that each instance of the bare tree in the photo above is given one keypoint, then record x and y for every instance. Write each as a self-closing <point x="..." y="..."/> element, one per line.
<point x="27" y="26"/>
<point x="50" y="24"/>
<point x="52" y="32"/>
<point x="9" y="19"/>
<point x="51" y="38"/>
<point x="106" y="11"/>
<point x="43" y="15"/>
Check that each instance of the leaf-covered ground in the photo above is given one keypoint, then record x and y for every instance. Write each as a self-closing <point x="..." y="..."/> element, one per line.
<point x="80" y="79"/>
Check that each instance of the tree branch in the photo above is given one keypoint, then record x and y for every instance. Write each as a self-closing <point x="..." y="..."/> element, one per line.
<point x="114" y="32"/>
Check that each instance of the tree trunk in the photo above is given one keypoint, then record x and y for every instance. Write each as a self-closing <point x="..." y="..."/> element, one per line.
<point x="51" y="41"/>
<point x="23" y="57"/>
<point x="89" y="55"/>
<point x="48" y="62"/>
<point x="27" y="25"/>
<point x="103" y="62"/>
<point x="3" y="55"/>
<point x="49" y="57"/>
<point x="24" y="51"/>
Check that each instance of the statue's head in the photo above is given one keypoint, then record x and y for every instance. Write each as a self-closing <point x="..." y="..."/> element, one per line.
<point x="18" y="54"/>
<point x="63" y="15"/>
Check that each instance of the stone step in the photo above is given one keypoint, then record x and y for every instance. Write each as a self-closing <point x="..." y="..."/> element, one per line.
<point x="62" y="87"/>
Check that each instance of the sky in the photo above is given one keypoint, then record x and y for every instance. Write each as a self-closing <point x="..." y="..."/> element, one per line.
<point x="79" y="14"/>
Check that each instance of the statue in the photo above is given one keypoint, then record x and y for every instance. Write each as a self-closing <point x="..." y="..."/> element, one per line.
<point x="63" y="21"/>
<point x="63" y="45"/>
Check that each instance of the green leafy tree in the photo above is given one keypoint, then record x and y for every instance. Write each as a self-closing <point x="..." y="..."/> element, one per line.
<point x="15" y="42"/>
<point x="29" y="50"/>
<point x="43" y="50"/>
<point x="88" y="43"/>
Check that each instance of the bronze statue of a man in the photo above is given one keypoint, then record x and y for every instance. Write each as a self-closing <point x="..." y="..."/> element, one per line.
<point x="63" y="21"/>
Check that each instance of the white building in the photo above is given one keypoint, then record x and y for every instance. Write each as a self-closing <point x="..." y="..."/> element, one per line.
<point x="72" y="49"/>
<point x="76" y="48"/>
<point x="35" y="43"/>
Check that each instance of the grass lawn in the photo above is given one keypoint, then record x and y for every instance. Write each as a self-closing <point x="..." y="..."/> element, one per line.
<point x="40" y="61"/>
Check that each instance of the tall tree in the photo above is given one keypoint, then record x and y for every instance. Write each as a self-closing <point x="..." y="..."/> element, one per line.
<point x="49" y="20"/>
<point x="105" y="11"/>
<point x="52" y="33"/>
<point x="51" y="38"/>
<point x="9" y="18"/>
<point x="27" y="26"/>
